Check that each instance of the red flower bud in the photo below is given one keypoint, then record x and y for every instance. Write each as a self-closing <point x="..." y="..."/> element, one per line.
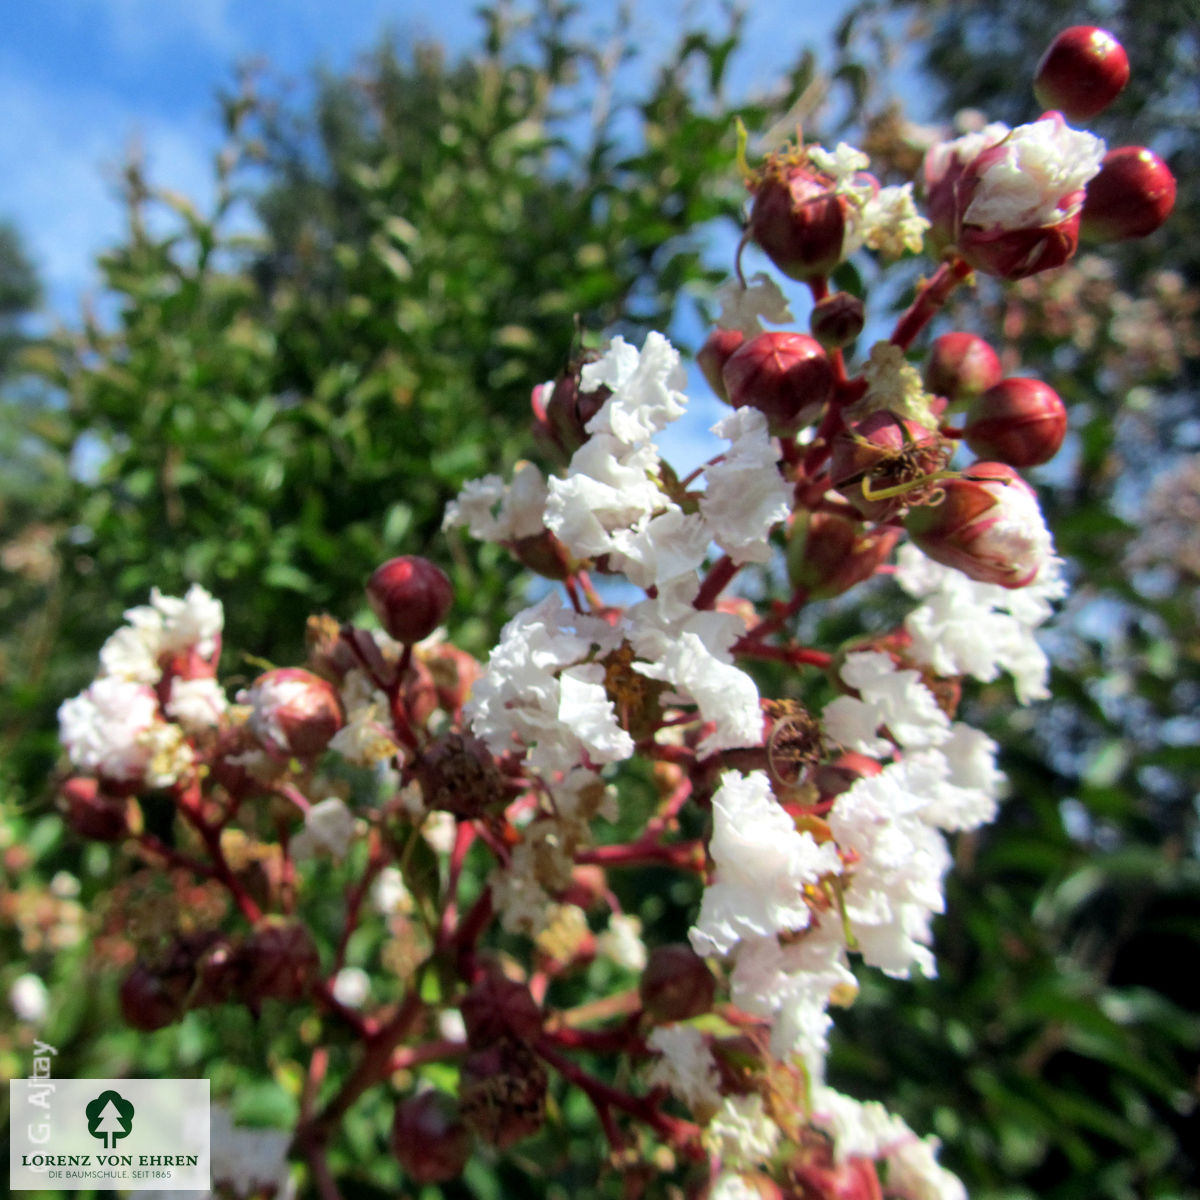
<point x="828" y="554"/>
<point x="676" y="984"/>
<point x="93" y="814"/>
<point x="294" y="711"/>
<point x="854" y="1179"/>
<point x="837" y="320"/>
<point x="149" y="1002"/>
<point x="797" y="218"/>
<point x="988" y="525"/>
<point x="961" y="365"/>
<point x="1130" y="198"/>
<point x="1082" y="72"/>
<point x="715" y="353"/>
<point x="884" y="464"/>
<point x="1017" y="253"/>
<point x="1020" y="421"/>
<point x="786" y="376"/>
<point x="498" y="1008"/>
<point x="279" y="961"/>
<point x="429" y="1138"/>
<point x="569" y="409"/>
<point x="410" y="596"/>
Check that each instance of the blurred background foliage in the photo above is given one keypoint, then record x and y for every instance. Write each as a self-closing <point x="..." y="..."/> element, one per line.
<point x="279" y="393"/>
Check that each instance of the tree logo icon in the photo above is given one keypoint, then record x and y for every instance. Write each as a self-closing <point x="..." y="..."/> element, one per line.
<point x="109" y="1117"/>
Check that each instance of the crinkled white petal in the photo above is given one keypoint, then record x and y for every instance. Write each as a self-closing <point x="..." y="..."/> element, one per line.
<point x="745" y="307"/>
<point x="197" y="704"/>
<point x="685" y="1066"/>
<point x="645" y="389"/>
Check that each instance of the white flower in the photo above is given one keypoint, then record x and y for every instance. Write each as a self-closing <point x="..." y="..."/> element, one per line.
<point x="763" y="865"/>
<point x="520" y="506"/>
<point x="1033" y="170"/>
<point x="351" y="986"/>
<point x="389" y="894"/>
<point x="622" y="942"/>
<point x="329" y="828"/>
<point x="742" y="306"/>
<point x="893" y="385"/>
<point x="844" y="162"/>
<point x="961" y="151"/>
<point x="967" y="796"/>
<point x="914" y="1173"/>
<point x="440" y="829"/>
<point x="891" y="224"/>
<point x="859" y="1130"/>
<point x="645" y="396"/>
<point x="746" y="495"/>
<point x="693" y="656"/>
<point x="197" y="704"/>
<point x="965" y="627"/>
<point x="114" y="729"/>
<point x="895" y="885"/>
<point x="366" y="737"/>
<point x="686" y="1066"/>
<point x="167" y="625"/>
<point x="29" y="998"/>
<point x="890" y="697"/>
<point x="731" y="1186"/>
<point x="742" y="1132"/>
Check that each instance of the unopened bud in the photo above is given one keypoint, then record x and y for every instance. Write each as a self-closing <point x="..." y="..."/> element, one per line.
<point x="93" y="814"/>
<point x="498" y="1008"/>
<point x="786" y="376"/>
<point x="854" y="1179"/>
<point x="828" y="553"/>
<point x="988" y="525"/>
<point x="569" y="408"/>
<point x="960" y="366"/>
<point x="430" y="1138"/>
<point x="718" y="347"/>
<point x="293" y="711"/>
<point x="1131" y="196"/>
<point x="149" y="1002"/>
<point x="280" y="962"/>
<point x="837" y="320"/>
<point x="885" y="464"/>
<point x="1020" y="421"/>
<point x="1082" y="72"/>
<point x="676" y="984"/>
<point x="797" y="218"/>
<point x="410" y="596"/>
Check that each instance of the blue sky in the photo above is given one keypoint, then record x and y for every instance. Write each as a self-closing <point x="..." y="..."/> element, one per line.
<point x="81" y="81"/>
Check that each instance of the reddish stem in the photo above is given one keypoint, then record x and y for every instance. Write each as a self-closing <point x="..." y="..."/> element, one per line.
<point x="722" y="571"/>
<point x="687" y="856"/>
<point x="928" y="300"/>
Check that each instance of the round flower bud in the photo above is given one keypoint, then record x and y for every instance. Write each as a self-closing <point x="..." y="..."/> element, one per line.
<point x="715" y="353"/>
<point x="93" y="814"/>
<point x="676" y="984"/>
<point x="961" y="365"/>
<point x="293" y="711"/>
<point x="497" y="1008"/>
<point x="883" y="464"/>
<point x="1131" y="196"/>
<point x="786" y="376"/>
<point x="148" y="1002"/>
<point x="1020" y="421"/>
<point x="429" y="1138"/>
<point x="797" y="217"/>
<point x="1082" y="72"/>
<point x="828" y="553"/>
<point x="988" y="525"/>
<point x="569" y="409"/>
<point x="837" y="320"/>
<point x="411" y="597"/>
<point x="280" y="962"/>
<point x="824" y="1179"/>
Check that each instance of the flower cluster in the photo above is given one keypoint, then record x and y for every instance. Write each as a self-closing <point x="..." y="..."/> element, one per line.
<point x="474" y="809"/>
